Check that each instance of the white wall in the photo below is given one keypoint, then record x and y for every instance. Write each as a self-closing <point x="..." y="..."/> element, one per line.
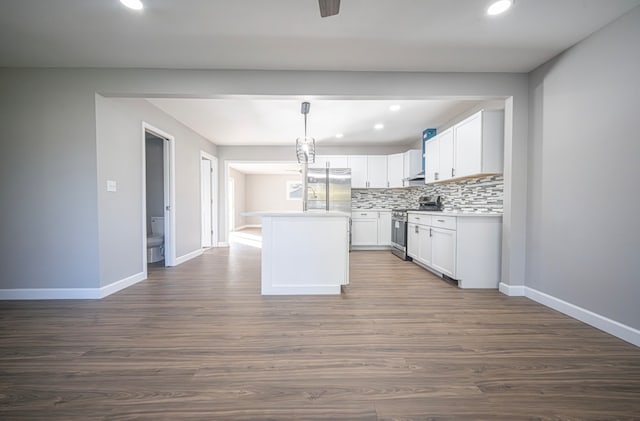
<point x="119" y="152"/>
<point x="269" y="193"/>
<point x="583" y="227"/>
<point x="49" y="115"/>
<point x="49" y="201"/>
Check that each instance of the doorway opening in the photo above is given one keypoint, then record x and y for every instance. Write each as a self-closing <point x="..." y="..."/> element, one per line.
<point x="208" y="199"/>
<point x="159" y="187"/>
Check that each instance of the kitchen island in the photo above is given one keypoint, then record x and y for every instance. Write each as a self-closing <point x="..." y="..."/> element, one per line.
<point x="304" y="253"/>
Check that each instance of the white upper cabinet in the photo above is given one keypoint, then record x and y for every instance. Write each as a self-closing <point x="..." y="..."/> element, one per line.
<point x="358" y="165"/>
<point x="472" y="147"/>
<point x="395" y="170"/>
<point x="479" y="144"/>
<point x="368" y="171"/>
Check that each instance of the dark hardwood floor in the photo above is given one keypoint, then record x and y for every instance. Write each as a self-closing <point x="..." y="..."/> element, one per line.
<point x="199" y="342"/>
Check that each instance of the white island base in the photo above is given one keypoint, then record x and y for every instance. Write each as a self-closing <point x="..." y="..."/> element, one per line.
<point x="304" y="253"/>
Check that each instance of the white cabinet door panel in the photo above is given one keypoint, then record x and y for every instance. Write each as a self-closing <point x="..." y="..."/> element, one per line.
<point x="395" y="170"/>
<point x="358" y="165"/>
<point x="446" y="155"/>
<point x="443" y="258"/>
<point x="384" y="229"/>
<point x="377" y="171"/>
<point x="468" y="146"/>
<point x="413" y="240"/>
<point x="432" y="160"/>
<point x="426" y="248"/>
<point x="364" y="232"/>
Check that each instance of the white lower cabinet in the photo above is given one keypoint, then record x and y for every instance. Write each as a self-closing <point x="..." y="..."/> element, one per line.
<point x="466" y="248"/>
<point x="370" y="229"/>
<point x="364" y="229"/>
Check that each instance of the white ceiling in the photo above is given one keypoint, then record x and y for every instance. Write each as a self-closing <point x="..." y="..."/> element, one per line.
<point x="372" y="35"/>
<point x="377" y="35"/>
<point x="280" y="122"/>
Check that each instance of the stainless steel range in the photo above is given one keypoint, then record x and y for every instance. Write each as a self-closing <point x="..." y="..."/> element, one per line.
<point x="399" y="233"/>
<point x="399" y="224"/>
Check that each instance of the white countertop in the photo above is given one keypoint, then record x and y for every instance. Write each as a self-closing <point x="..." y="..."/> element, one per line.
<point x="308" y="214"/>
<point x="451" y="213"/>
<point x="369" y="210"/>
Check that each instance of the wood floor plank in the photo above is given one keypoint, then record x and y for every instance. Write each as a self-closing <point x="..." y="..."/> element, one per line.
<point x="198" y="341"/>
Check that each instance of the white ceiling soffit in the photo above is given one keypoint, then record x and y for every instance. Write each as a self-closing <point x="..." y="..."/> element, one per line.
<point x="374" y="35"/>
<point x="272" y="168"/>
<point x="280" y="122"/>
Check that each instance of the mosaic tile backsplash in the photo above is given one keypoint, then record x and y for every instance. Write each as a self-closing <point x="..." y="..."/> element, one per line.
<point x="482" y="195"/>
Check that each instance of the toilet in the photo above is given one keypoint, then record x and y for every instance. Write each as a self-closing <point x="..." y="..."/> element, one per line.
<point x="155" y="240"/>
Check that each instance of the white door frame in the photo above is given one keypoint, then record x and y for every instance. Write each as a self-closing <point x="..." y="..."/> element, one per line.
<point x="214" y="196"/>
<point x="169" y="196"/>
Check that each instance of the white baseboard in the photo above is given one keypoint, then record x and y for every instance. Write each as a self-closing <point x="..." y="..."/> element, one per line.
<point x="247" y="226"/>
<point x="512" y="290"/>
<point x="70" y="293"/>
<point x="612" y="327"/>
<point x="122" y="284"/>
<point x="617" y="329"/>
<point x="188" y="256"/>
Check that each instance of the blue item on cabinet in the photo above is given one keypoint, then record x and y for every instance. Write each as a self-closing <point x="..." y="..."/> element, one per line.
<point x="426" y="135"/>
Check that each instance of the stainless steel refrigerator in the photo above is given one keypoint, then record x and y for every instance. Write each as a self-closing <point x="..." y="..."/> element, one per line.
<point x="328" y="189"/>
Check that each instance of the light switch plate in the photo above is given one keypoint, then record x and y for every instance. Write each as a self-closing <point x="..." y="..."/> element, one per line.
<point x="112" y="185"/>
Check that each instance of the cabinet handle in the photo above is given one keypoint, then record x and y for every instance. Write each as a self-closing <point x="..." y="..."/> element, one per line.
<point x="388" y="184"/>
<point x="430" y="232"/>
<point x="417" y="217"/>
<point x="435" y="175"/>
<point x="453" y="172"/>
<point x="363" y="214"/>
<point x="417" y="230"/>
<point x="440" y="220"/>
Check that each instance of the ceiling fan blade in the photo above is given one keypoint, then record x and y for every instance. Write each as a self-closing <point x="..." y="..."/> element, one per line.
<point x="329" y="7"/>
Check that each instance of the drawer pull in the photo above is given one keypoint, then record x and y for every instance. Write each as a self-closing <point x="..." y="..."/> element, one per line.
<point x="440" y="220"/>
<point x="363" y="214"/>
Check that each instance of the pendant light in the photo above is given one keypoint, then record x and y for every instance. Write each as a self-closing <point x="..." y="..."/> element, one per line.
<point x="306" y="146"/>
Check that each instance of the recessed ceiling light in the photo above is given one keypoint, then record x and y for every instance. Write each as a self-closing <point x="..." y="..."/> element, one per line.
<point x="394" y="107"/>
<point x="379" y="126"/>
<point x="499" y="7"/>
<point x="133" y="4"/>
<point x="339" y="135"/>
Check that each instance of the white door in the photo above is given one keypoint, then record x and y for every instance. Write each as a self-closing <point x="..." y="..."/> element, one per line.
<point x="377" y="171"/>
<point x="446" y="155"/>
<point x="206" y="203"/>
<point x="231" y="205"/>
<point x="432" y="160"/>
<point x="444" y="251"/>
<point x="358" y="165"/>
<point x="395" y="170"/>
<point x="468" y="146"/>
